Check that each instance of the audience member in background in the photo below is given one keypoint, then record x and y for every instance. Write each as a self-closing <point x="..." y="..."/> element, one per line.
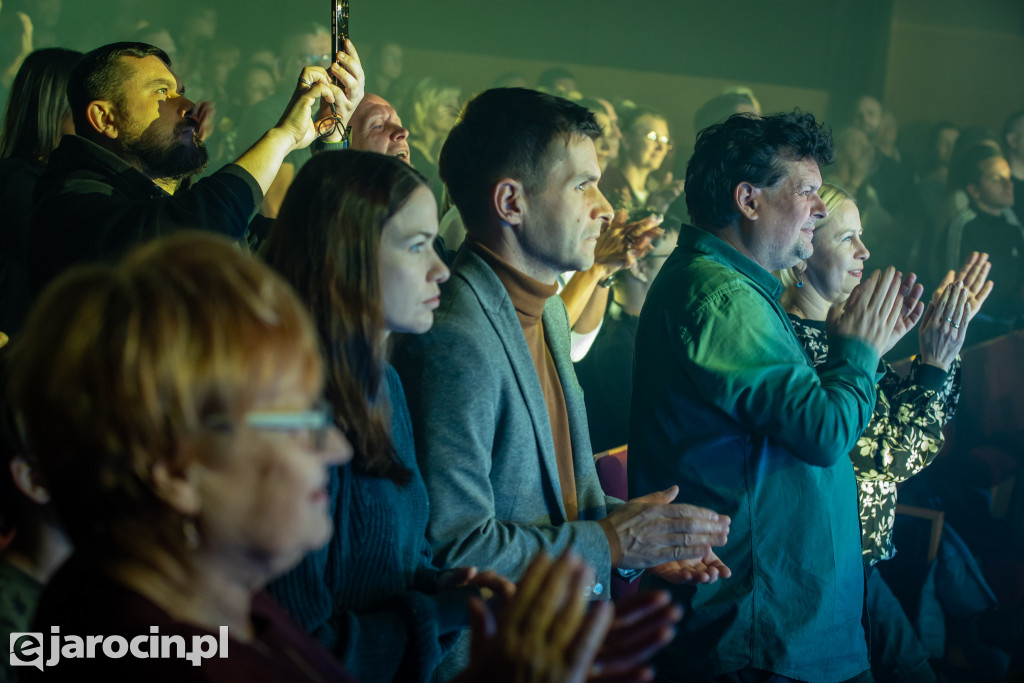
<point x="302" y="44"/>
<point x="431" y="107"/>
<point x="386" y="66"/>
<point x="371" y="595"/>
<point x="989" y="225"/>
<point x="39" y="545"/>
<point x="376" y="127"/>
<point x="252" y="82"/>
<point x="560" y="82"/>
<point x="727" y="404"/>
<point x="956" y="200"/>
<point x="606" y="373"/>
<point x="197" y="33"/>
<point x="607" y="145"/>
<point x="36" y="118"/>
<point x="905" y="431"/>
<point x="721" y="107"/>
<point x="160" y="37"/>
<point x="645" y="142"/>
<point x="933" y="182"/>
<point x="511" y="79"/>
<point x="118" y="181"/>
<point x="733" y="100"/>
<point x="855" y="161"/>
<point x="1013" y="143"/>
<point x="16" y="43"/>
<point x="498" y="415"/>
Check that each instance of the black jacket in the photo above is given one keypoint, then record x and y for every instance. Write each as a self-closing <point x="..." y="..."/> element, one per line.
<point x="90" y="205"/>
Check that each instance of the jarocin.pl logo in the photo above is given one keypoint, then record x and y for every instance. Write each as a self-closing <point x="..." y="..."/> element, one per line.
<point x="27" y="648"/>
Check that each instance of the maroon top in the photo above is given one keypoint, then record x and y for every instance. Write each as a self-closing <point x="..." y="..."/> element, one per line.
<point x="82" y="601"/>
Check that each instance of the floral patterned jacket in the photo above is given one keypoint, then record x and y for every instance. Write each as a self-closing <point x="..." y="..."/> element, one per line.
<point x="903" y="437"/>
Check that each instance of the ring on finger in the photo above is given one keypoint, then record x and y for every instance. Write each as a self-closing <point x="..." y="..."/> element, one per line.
<point x="306" y="83"/>
<point x="950" y="321"/>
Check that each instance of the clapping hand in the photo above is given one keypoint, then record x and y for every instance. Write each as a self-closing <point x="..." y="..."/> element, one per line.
<point x="620" y="244"/>
<point x="974" y="275"/>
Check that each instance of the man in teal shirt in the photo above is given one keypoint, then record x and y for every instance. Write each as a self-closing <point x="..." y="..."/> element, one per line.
<point x="727" y="405"/>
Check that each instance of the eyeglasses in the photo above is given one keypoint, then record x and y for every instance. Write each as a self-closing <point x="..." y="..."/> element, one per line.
<point x="312" y="425"/>
<point x="663" y="139"/>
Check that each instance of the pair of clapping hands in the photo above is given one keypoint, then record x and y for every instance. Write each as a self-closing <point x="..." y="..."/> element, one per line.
<point x="883" y="308"/>
<point x="622" y="243"/>
<point x="549" y="631"/>
<point x="545" y="631"/>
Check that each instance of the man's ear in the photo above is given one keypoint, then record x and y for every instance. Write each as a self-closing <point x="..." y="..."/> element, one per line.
<point x="510" y="202"/>
<point x="29" y="480"/>
<point x="102" y="117"/>
<point x="178" y="487"/>
<point x="747" y="198"/>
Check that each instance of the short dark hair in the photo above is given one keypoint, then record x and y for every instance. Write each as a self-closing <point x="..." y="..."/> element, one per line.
<point x="506" y="132"/>
<point x="748" y="148"/>
<point x="99" y="75"/>
<point x="966" y="169"/>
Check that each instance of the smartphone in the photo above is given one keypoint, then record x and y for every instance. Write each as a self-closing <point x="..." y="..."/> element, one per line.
<point x="339" y="25"/>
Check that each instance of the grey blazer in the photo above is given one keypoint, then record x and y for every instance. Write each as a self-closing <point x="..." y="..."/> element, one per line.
<point x="483" y="437"/>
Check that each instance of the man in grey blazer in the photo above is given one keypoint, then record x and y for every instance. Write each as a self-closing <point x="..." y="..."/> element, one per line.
<point x="500" y="422"/>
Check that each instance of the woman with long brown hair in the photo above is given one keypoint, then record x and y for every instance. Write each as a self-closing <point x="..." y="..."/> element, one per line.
<point x="355" y="238"/>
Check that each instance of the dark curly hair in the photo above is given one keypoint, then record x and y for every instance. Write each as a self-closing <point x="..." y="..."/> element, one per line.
<point x="747" y="148"/>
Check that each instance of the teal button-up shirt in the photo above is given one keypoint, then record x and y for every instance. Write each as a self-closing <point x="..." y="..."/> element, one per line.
<point x="727" y="404"/>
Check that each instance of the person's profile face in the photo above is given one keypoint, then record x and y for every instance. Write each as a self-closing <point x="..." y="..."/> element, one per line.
<point x="376" y="127"/>
<point x="263" y="484"/>
<point x="837" y="264"/>
<point x="649" y="142"/>
<point x="566" y="215"/>
<point x="786" y="216"/>
<point x="411" y="272"/>
<point x="868" y="115"/>
<point x="155" y="126"/>
<point x="994" y="188"/>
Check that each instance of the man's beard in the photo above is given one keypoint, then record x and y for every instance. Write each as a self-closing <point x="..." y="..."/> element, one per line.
<point x="156" y="156"/>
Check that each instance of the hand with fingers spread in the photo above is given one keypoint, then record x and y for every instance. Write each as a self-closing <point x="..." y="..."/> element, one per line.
<point x="872" y="311"/>
<point x="706" y="569"/>
<point x="620" y="244"/>
<point x="910" y="312"/>
<point x="545" y="633"/>
<point x="944" y="327"/>
<point x="974" y="275"/>
<point x="644" y="624"/>
<point x="651" y="530"/>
